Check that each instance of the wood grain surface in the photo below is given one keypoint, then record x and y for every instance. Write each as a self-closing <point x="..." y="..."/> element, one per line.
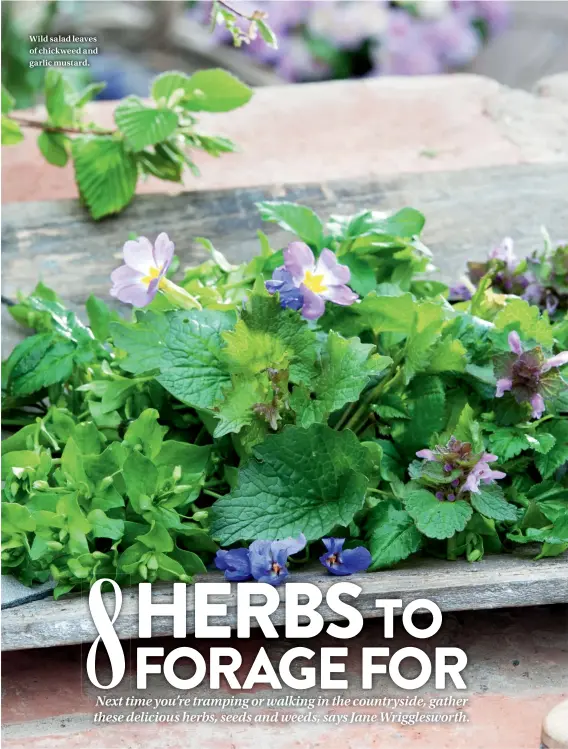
<point x="496" y="582"/>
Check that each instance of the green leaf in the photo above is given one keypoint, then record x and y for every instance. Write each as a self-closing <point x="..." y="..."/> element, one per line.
<point x="300" y="481"/>
<point x="88" y="94"/>
<point x="11" y="132"/>
<point x="490" y="502"/>
<point x="298" y="219"/>
<point x="191" y="563"/>
<point x="105" y="172"/>
<point x="425" y="332"/>
<point x="405" y="224"/>
<point x="215" y="90"/>
<point x="345" y="369"/>
<point x="507" y="442"/>
<point x="266" y="337"/>
<point x="266" y="33"/>
<point x="448" y="355"/>
<point x="548" y="463"/>
<point x="57" y="103"/>
<point x="146" y="433"/>
<point x="192" y="367"/>
<point x="105" y="527"/>
<point x="164" y="86"/>
<point x="524" y="317"/>
<point x="157" y="538"/>
<point x="39" y="361"/>
<point x="140" y="476"/>
<point x="426" y="403"/>
<point x="387" y="314"/>
<point x="392" y="535"/>
<point x="54" y="147"/>
<point x="236" y="410"/>
<point x="100" y="317"/>
<point x="435" y="518"/>
<point x="142" y="341"/>
<point x="363" y="279"/>
<point x="144" y="126"/>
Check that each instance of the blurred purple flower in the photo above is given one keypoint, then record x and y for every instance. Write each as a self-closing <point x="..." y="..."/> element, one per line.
<point x="341" y="561"/>
<point x="317" y="281"/>
<point x="235" y="563"/>
<point x="268" y="558"/>
<point x="137" y="281"/>
<point x="528" y="376"/>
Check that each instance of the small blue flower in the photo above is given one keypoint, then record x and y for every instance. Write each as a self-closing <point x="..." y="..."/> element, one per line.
<point x="290" y="295"/>
<point x="344" y="562"/>
<point x="268" y="558"/>
<point x="235" y="563"/>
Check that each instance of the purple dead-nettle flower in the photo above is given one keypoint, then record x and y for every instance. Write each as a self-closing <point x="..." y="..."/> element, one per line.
<point x="340" y="561"/>
<point x="470" y="469"/>
<point x="529" y="377"/>
<point x="268" y="559"/>
<point x="235" y="563"/>
<point x="317" y="281"/>
<point x="137" y="281"/>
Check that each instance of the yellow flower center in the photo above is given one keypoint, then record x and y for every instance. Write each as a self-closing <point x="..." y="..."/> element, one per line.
<point x="315" y="283"/>
<point x="154" y="273"/>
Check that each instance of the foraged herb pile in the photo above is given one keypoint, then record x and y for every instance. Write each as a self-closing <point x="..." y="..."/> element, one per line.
<point x="327" y="389"/>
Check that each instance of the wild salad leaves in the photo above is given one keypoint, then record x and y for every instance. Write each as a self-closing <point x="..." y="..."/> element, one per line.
<point x="326" y="398"/>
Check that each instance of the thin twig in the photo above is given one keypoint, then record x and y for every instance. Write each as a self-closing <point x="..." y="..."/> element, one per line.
<point x="25" y="122"/>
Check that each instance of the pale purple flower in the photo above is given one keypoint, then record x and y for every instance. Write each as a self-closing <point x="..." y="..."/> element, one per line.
<point x="268" y="558"/>
<point x="340" y="561"/>
<point x="137" y="281"/>
<point x="235" y="563"/>
<point x="481" y="472"/>
<point x="318" y="281"/>
<point x="529" y="376"/>
<point x="468" y="468"/>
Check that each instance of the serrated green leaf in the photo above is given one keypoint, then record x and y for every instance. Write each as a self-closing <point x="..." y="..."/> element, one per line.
<point x="268" y="337"/>
<point x="490" y="501"/>
<point x="192" y="365"/>
<point x="392" y="535"/>
<point x="300" y="481"/>
<point x="507" y="442"/>
<point x="524" y="317"/>
<point x="420" y="345"/>
<point x="105" y="172"/>
<point x="144" y="126"/>
<point x="298" y="219"/>
<point x="449" y="355"/>
<point x="435" y="518"/>
<point x="54" y="147"/>
<point x="345" y="367"/>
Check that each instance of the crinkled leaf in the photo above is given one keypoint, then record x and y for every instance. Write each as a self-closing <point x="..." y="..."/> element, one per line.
<point x="300" y="481"/>
<point x="192" y="366"/>
<point x="435" y="518"/>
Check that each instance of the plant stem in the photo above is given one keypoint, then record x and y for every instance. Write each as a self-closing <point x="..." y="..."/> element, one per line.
<point x="212" y="494"/>
<point x="25" y="122"/>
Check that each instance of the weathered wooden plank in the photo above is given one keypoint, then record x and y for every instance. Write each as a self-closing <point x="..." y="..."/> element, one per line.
<point x="497" y="581"/>
<point x="467" y="213"/>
